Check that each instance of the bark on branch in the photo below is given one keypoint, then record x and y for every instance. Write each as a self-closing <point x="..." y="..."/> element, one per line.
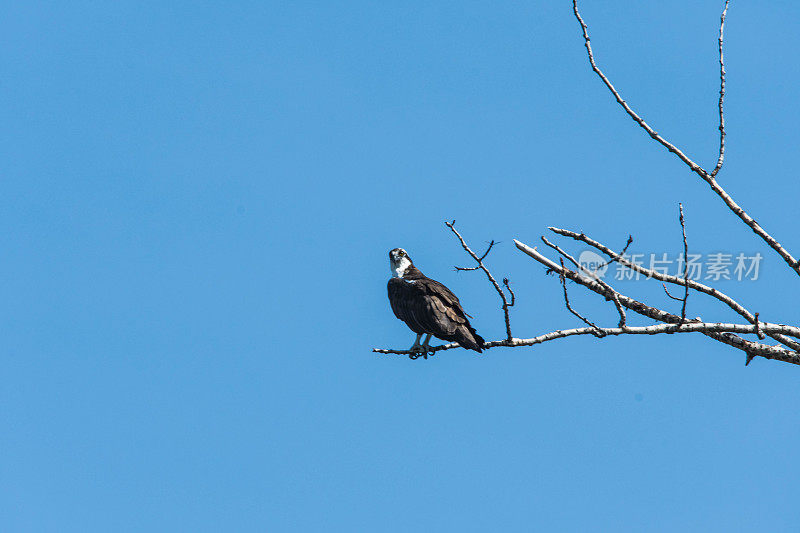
<point x="682" y="281"/>
<point x="751" y="348"/>
<point x="657" y="329"/>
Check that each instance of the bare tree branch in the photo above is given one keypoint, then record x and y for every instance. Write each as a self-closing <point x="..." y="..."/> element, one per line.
<point x="593" y="276"/>
<point x="721" y="158"/>
<point x="481" y="258"/>
<point x="685" y="264"/>
<point x="482" y="266"/>
<point x="709" y="178"/>
<point x="507" y="285"/>
<point x="759" y="334"/>
<point x="769" y="352"/>
<point x="750" y="221"/>
<point x="683" y="281"/>
<point x="622" y="253"/>
<point x="721" y="332"/>
<point x="639" y="120"/>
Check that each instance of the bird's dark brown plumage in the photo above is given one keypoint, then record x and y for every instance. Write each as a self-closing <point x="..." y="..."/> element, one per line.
<point x="427" y="306"/>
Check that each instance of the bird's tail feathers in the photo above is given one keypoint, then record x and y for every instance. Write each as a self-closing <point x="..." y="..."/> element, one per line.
<point x="469" y="339"/>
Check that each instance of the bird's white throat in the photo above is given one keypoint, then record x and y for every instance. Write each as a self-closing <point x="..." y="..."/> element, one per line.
<point x="399" y="268"/>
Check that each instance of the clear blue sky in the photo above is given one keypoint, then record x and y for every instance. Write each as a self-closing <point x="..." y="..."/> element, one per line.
<point x="197" y="202"/>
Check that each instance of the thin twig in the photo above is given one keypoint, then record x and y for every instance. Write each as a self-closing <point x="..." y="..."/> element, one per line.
<point x="685" y="264"/>
<point x="510" y="291"/>
<point x="671" y="296"/>
<point x="721" y="158"/>
<point x="625" y="249"/>
<point x="599" y="332"/>
<point x="482" y="266"/>
<point x="481" y="258"/>
<point x="759" y="334"/>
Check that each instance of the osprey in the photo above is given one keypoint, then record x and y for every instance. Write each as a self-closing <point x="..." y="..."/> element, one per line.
<point x="427" y="306"/>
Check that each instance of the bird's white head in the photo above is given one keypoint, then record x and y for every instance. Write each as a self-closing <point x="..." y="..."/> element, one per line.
<point x="399" y="262"/>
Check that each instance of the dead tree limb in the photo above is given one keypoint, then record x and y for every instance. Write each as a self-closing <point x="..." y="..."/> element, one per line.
<point x="769" y="352"/>
<point x="709" y="178"/>
<point x="506" y="303"/>
<point x="721" y="158"/>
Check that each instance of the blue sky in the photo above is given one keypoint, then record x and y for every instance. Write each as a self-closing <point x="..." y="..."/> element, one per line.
<point x="198" y="201"/>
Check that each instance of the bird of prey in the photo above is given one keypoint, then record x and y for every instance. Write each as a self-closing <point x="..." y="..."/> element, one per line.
<point x="427" y="306"/>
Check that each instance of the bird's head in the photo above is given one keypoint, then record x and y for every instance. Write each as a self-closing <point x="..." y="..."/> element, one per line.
<point x="399" y="261"/>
